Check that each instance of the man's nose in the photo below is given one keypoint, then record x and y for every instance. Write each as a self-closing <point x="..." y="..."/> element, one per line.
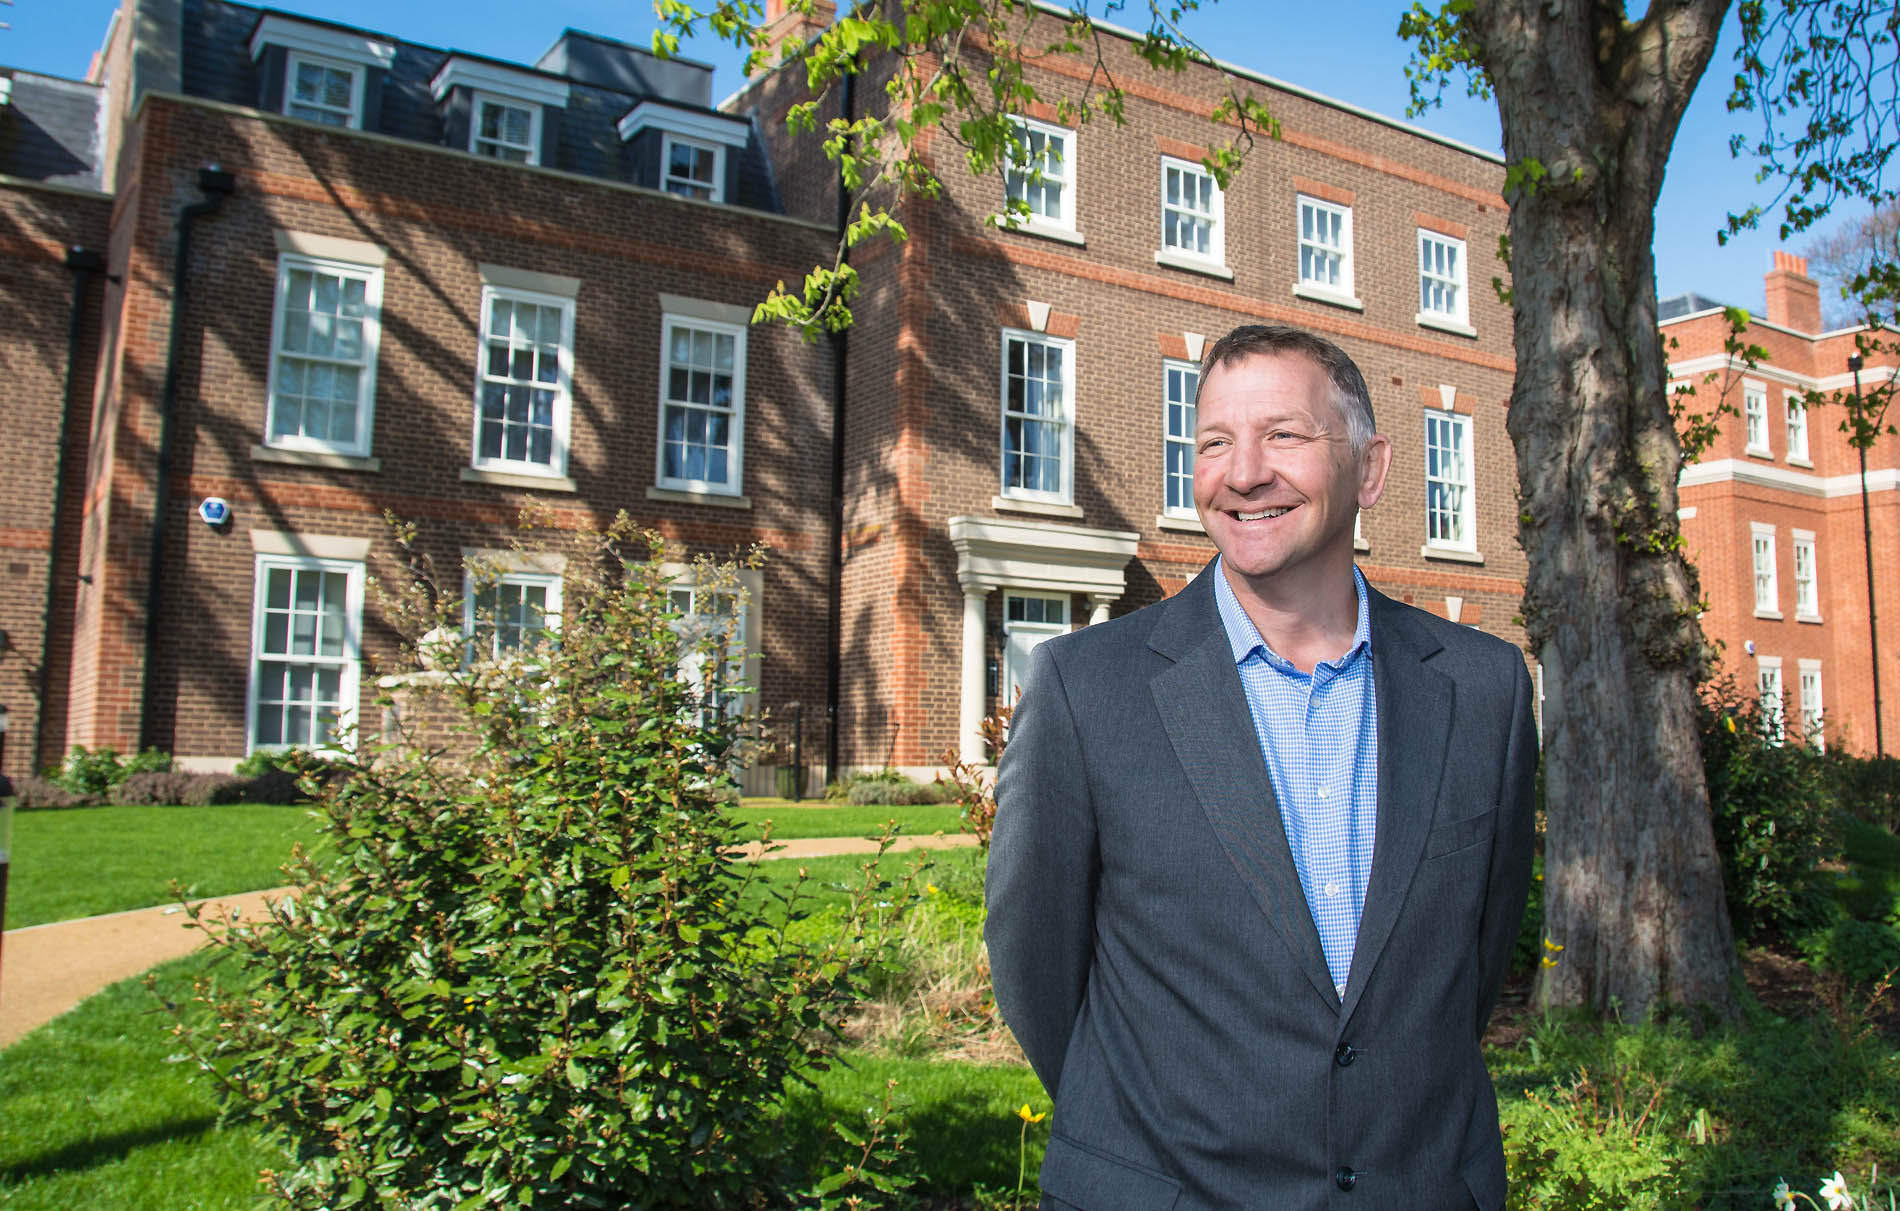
<point x="1249" y="466"/>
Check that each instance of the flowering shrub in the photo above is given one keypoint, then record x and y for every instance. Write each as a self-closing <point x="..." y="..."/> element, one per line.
<point x="532" y="975"/>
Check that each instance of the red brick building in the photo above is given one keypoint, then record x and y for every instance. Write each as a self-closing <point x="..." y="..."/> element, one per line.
<point x="1772" y="513"/>
<point x="450" y="287"/>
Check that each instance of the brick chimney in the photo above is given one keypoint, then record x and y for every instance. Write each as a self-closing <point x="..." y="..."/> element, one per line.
<point x="786" y="26"/>
<point x="1794" y="300"/>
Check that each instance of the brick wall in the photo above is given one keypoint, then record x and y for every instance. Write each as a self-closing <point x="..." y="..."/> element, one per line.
<point x="37" y="227"/>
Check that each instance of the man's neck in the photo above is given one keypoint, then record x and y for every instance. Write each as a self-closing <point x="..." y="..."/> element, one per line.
<point x="1305" y="623"/>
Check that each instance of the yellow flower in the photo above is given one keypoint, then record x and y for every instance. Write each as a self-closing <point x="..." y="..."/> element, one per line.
<point x="1729" y="722"/>
<point x="1549" y="962"/>
<point x="1552" y="947"/>
<point x="1026" y="1116"/>
<point x="930" y="888"/>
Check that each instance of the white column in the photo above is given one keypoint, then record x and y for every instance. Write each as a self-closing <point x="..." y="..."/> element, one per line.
<point x="970" y="701"/>
<point x="1098" y="609"/>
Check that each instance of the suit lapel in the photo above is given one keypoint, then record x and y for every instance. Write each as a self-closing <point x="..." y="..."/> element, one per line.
<point x="1204" y="712"/>
<point x="1415" y="704"/>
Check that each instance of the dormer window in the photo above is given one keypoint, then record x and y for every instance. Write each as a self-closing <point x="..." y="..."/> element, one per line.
<point x="322" y="91"/>
<point x="687" y="152"/>
<point x="318" y="72"/>
<point x="692" y="170"/>
<point x="505" y="129"/>
<point x="498" y="110"/>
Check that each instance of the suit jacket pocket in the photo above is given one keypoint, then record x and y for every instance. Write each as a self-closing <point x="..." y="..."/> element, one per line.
<point x="1095" y="1181"/>
<point x="1454" y="835"/>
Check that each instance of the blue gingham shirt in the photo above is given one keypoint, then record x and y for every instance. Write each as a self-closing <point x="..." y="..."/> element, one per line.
<point x="1319" y="733"/>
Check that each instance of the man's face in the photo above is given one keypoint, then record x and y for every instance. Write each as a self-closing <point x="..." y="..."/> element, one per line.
<point x="1276" y="483"/>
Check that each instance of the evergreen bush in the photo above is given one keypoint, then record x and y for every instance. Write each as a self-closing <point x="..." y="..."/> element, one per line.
<point x="533" y="974"/>
<point x="1774" y="814"/>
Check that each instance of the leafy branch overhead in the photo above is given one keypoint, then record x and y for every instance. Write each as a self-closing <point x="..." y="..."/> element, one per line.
<point x="961" y="75"/>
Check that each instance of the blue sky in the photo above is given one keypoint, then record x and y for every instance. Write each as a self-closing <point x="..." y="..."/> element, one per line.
<point x="1350" y="52"/>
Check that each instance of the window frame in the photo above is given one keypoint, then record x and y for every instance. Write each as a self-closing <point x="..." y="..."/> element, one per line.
<point x="1314" y="287"/>
<point x="1755" y="419"/>
<point x="1797" y="428"/>
<point x="349" y="689"/>
<point x="1767" y="580"/>
<point x="1774" y="710"/>
<point x="1065" y="495"/>
<point x="556" y="467"/>
<point x="372" y="276"/>
<point x="1467" y="513"/>
<point x="477" y="98"/>
<point x="1807" y="581"/>
<point x="1813" y="713"/>
<point x="358" y="73"/>
<point x="1459" y="317"/>
<point x="1065" y="180"/>
<point x="668" y="141"/>
<point x="475" y="580"/>
<point x="1215" y="217"/>
<point x="735" y="456"/>
<point x="747" y="588"/>
<point x="1046" y="629"/>
<point x="1188" y="375"/>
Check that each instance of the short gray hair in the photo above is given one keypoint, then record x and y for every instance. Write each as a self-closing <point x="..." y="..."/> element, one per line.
<point x="1350" y="398"/>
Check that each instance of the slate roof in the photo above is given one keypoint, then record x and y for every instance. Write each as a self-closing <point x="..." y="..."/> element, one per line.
<point x="217" y="65"/>
<point x="1678" y="305"/>
<point x="49" y="130"/>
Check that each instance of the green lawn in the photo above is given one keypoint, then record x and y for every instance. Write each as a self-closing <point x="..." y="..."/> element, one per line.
<point x="817" y="818"/>
<point x="92" y="860"/>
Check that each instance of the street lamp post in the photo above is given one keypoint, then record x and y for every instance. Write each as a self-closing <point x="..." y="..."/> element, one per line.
<point x="1862" y="440"/>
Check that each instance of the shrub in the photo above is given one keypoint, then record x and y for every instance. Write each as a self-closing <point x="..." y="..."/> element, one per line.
<point x="1863" y="951"/>
<point x="970" y="786"/>
<point x="1867" y="788"/>
<point x="1774" y="814"/>
<point x="529" y="973"/>
<point x="898" y="792"/>
<point x="163" y="788"/>
<point x="34" y="794"/>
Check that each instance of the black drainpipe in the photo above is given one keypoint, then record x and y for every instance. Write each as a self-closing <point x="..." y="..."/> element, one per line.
<point x="216" y="185"/>
<point x="834" y="637"/>
<point x="83" y="262"/>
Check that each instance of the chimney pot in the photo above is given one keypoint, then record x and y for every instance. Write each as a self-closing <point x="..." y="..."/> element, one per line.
<point x="1794" y="300"/>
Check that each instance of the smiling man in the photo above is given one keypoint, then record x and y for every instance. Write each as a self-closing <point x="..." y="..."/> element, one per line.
<point x="1261" y="849"/>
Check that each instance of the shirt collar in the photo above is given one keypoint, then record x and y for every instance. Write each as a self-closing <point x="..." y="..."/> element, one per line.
<point x="1244" y="637"/>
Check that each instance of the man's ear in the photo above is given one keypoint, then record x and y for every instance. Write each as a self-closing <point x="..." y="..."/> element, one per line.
<point x="1374" y="461"/>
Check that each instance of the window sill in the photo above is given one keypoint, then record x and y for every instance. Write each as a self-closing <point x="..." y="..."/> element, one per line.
<point x="516" y="479"/>
<point x="315" y="458"/>
<point x="1047" y="231"/>
<point x="1427" y="320"/>
<point x="1360" y="544"/>
<point x="1758" y="452"/>
<point x="1803" y="463"/>
<point x="717" y="500"/>
<point x="1450" y="554"/>
<point x="1330" y="297"/>
<point x="1184" y="525"/>
<point x="1770" y="615"/>
<point x="1809" y="618"/>
<point x="1042" y="508"/>
<point x="1179" y="260"/>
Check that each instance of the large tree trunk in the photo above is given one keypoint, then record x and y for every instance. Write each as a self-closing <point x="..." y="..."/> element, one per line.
<point x="1633" y="885"/>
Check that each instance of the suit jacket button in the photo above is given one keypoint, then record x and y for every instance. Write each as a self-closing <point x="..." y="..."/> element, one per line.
<point x="1345" y="1054"/>
<point x="1345" y="1178"/>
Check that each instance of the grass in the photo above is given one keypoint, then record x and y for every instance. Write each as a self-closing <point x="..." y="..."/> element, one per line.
<point x="818" y="818"/>
<point x="91" y="860"/>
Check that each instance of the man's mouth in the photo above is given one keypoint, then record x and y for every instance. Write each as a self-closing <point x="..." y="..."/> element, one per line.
<point x="1264" y="513"/>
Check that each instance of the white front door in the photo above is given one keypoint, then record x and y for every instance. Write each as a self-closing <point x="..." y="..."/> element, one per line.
<point x="1028" y="619"/>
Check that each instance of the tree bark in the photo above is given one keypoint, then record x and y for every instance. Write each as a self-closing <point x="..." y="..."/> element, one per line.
<point x="1633" y="884"/>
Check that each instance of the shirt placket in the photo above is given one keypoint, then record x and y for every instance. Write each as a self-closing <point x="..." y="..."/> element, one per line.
<point x="1329" y="833"/>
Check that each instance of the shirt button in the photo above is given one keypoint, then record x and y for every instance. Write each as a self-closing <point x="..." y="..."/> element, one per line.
<point x="1332" y="889"/>
<point x="1345" y="1178"/>
<point x="1321" y="792"/>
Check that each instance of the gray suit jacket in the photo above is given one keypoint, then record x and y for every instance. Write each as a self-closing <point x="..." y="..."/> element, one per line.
<point x="1155" y="956"/>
